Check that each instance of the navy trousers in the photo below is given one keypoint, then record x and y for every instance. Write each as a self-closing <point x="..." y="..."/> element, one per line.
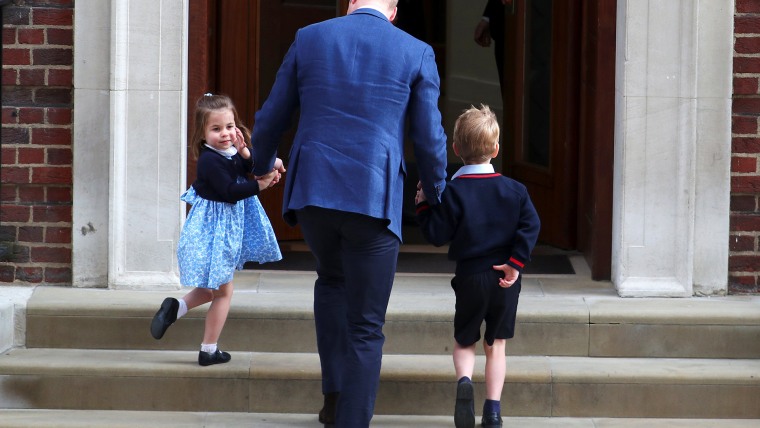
<point x="356" y="264"/>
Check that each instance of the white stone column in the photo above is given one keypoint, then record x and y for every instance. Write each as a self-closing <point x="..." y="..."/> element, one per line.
<point x="713" y="152"/>
<point x="672" y="147"/>
<point x="91" y="143"/>
<point x="142" y="111"/>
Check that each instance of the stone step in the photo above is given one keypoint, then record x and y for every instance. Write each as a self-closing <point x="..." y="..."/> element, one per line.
<point x="135" y="419"/>
<point x="260" y="382"/>
<point x="272" y="312"/>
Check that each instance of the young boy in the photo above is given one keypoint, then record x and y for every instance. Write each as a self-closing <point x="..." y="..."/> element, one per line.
<point x="491" y="226"/>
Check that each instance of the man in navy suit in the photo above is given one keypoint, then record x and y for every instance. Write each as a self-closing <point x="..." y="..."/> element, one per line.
<point x="359" y="83"/>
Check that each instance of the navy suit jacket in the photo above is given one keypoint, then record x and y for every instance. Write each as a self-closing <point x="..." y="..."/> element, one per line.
<point x="360" y="84"/>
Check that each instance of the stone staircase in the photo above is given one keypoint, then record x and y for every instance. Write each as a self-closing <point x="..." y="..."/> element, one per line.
<point x="581" y="357"/>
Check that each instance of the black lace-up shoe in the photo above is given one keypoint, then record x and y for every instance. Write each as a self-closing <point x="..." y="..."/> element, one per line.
<point x="211" y="358"/>
<point x="165" y="317"/>
<point x="464" y="410"/>
<point x="491" y="420"/>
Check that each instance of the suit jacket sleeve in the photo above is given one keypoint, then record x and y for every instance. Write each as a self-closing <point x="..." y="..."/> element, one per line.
<point x="276" y="114"/>
<point x="437" y="223"/>
<point x="425" y="129"/>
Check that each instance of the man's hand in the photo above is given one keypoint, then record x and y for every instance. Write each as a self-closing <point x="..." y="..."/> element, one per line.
<point x="279" y="168"/>
<point x="274" y="176"/>
<point x="483" y="33"/>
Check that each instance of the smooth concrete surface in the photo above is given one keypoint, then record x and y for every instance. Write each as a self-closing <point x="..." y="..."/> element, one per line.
<point x="685" y="341"/>
<point x="272" y="312"/>
<point x="132" y="419"/>
<point x="410" y="384"/>
<point x="573" y="354"/>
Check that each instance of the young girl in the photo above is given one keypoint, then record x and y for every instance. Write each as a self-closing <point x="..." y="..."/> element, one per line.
<point x="226" y="225"/>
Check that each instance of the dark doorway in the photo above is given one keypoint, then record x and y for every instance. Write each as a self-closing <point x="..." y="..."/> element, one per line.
<point x="559" y="119"/>
<point x="558" y="92"/>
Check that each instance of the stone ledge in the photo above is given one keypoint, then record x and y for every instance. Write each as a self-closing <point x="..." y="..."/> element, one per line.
<point x="410" y="384"/>
<point x="44" y="418"/>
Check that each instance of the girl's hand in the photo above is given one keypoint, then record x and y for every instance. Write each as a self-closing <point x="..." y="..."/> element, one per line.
<point x="239" y="143"/>
<point x="237" y="139"/>
<point x="276" y="173"/>
<point x="267" y="181"/>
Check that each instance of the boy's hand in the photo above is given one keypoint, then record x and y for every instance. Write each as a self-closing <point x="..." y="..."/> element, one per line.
<point x="420" y="196"/>
<point x="510" y="275"/>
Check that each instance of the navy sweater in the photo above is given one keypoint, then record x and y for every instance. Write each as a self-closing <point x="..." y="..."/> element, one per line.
<point x="217" y="177"/>
<point x="487" y="219"/>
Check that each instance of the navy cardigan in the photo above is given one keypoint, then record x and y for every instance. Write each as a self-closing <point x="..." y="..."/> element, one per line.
<point x="217" y="177"/>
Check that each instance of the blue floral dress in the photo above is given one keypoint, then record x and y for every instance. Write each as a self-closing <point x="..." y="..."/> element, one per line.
<point x="219" y="238"/>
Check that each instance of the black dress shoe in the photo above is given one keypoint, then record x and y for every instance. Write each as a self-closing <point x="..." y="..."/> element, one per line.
<point x="211" y="358"/>
<point x="464" y="410"/>
<point x="327" y="414"/>
<point x="165" y="317"/>
<point x="491" y="420"/>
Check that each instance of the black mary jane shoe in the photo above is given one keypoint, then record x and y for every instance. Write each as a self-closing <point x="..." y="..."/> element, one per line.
<point x="211" y="358"/>
<point x="165" y="317"/>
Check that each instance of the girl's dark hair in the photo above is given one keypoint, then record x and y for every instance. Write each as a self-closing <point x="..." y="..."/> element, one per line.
<point x="209" y="103"/>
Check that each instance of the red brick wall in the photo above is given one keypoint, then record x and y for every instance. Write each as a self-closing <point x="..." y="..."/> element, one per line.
<point x="744" y="259"/>
<point x="37" y="100"/>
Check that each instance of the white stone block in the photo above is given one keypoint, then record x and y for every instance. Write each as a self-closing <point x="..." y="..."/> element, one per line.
<point x="712" y="196"/>
<point x="91" y="164"/>
<point x="6" y="326"/>
<point x="92" y="39"/>
<point x="173" y="37"/>
<point x="715" y="57"/>
<point x="13" y="302"/>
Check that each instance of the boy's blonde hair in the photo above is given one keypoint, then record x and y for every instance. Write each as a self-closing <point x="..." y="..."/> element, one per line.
<point x="476" y="134"/>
